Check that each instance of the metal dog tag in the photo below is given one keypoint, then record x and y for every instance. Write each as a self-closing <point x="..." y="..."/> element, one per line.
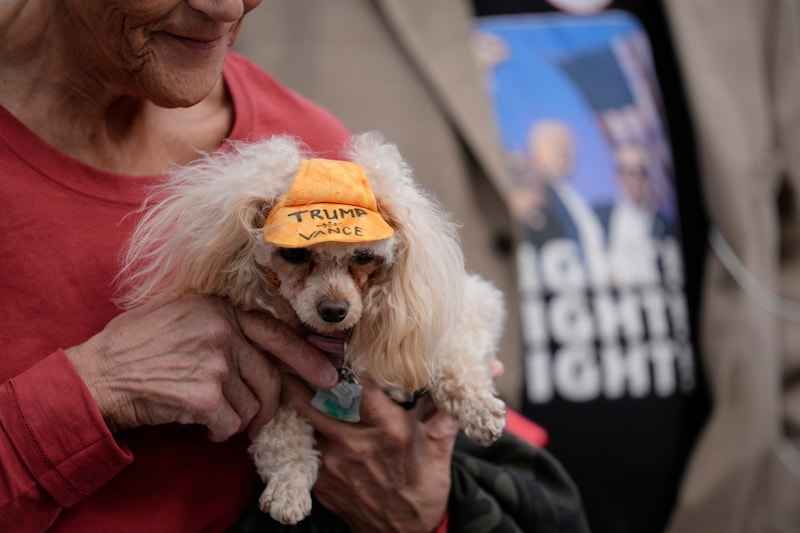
<point x="343" y="401"/>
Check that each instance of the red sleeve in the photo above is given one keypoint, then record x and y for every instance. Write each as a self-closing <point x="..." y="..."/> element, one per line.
<point x="524" y="429"/>
<point x="54" y="446"/>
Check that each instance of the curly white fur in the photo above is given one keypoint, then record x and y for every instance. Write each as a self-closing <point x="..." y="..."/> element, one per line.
<point x="416" y="319"/>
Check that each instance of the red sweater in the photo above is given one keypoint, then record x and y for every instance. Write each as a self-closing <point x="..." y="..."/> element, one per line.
<point x="62" y="225"/>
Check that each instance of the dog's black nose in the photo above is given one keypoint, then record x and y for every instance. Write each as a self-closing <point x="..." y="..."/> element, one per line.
<point x="332" y="311"/>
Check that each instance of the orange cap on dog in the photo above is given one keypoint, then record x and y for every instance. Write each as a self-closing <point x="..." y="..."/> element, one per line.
<point x="328" y="201"/>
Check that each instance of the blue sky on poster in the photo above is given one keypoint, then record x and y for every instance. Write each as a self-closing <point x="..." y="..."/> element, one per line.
<point x="531" y="86"/>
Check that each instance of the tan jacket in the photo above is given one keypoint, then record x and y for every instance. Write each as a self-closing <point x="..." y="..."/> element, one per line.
<point x="404" y="67"/>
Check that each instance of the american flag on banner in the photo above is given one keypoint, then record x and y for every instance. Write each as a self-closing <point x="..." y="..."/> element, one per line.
<point x="619" y="84"/>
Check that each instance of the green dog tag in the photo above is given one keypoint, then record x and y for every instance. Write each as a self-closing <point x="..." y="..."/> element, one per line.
<point x="343" y="401"/>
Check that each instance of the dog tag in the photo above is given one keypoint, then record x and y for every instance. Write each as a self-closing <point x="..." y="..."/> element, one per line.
<point x="343" y="401"/>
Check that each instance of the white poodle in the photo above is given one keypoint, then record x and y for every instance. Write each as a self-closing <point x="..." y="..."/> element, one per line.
<point x="351" y="249"/>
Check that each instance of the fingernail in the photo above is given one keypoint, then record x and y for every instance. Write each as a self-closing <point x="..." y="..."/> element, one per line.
<point x="329" y="376"/>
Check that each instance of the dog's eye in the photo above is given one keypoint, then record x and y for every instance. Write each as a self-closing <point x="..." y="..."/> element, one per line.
<point x="294" y="255"/>
<point x="362" y="257"/>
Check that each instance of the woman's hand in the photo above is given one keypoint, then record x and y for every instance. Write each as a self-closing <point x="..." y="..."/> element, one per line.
<point x="194" y="360"/>
<point x="390" y="471"/>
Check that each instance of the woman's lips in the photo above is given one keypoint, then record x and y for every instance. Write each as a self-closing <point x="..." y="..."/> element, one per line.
<point x="199" y="44"/>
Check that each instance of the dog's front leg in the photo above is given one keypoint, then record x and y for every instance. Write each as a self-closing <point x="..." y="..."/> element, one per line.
<point x="286" y="460"/>
<point x="470" y="398"/>
<point x="464" y="386"/>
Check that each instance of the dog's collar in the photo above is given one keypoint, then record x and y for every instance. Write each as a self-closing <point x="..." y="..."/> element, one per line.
<point x="412" y="403"/>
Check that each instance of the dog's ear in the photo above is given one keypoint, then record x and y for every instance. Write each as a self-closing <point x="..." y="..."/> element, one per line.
<point x="408" y="322"/>
<point x="201" y="228"/>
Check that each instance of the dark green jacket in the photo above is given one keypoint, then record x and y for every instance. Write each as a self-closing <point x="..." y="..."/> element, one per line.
<point x="504" y="488"/>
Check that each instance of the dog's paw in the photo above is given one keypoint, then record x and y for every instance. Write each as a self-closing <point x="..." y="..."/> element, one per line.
<point x="285" y="503"/>
<point x="483" y="420"/>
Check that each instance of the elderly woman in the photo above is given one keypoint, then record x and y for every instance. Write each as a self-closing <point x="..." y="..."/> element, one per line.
<point x="139" y="421"/>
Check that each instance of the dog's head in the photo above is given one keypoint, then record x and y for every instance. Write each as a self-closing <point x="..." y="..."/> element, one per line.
<point x="397" y="289"/>
<point x="326" y="244"/>
<point x="326" y="284"/>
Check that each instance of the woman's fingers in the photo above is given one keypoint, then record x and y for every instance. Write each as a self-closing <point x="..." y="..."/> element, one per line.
<point x="277" y="338"/>
<point x="263" y="383"/>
